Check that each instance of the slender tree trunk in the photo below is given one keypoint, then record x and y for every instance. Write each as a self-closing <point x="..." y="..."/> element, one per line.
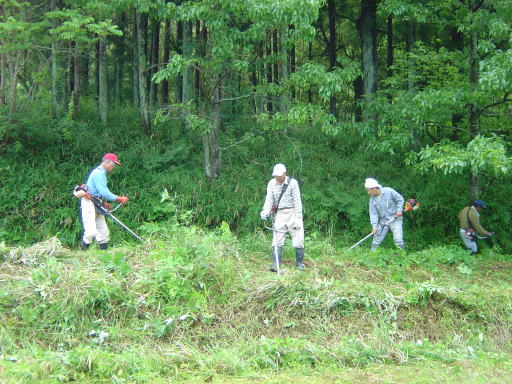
<point x="368" y="32"/>
<point x="310" y="58"/>
<point x="97" y="54"/>
<point x="165" y="59"/>
<point x="331" y="6"/>
<point x="358" y="97"/>
<point x="54" y="66"/>
<point x="212" y="152"/>
<point x="474" y="110"/>
<point x="293" y="58"/>
<point x="119" y="54"/>
<point x="68" y="89"/>
<point x="136" y="96"/>
<point x="84" y="74"/>
<point x="103" y="93"/>
<point x="390" y="46"/>
<point x="275" y="51"/>
<point x="178" y="82"/>
<point x="3" y="73"/>
<point x="285" y="73"/>
<point x="270" y="106"/>
<point x="142" y="29"/>
<point x="14" y="68"/>
<point x="410" y="41"/>
<point x="188" y="80"/>
<point x="409" y="48"/>
<point x="76" y="81"/>
<point x="155" y="50"/>
<point x="55" y="79"/>
<point x="196" y="71"/>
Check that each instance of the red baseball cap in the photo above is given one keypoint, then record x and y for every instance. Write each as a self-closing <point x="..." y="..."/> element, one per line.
<point x="111" y="156"/>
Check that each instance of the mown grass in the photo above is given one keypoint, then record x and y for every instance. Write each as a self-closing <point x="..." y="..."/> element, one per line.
<point x="189" y="306"/>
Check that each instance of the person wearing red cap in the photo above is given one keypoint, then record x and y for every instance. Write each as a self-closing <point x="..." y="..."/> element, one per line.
<point x="93" y="222"/>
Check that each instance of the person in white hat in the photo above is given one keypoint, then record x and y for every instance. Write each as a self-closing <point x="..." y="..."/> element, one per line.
<point x="385" y="204"/>
<point x="283" y="200"/>
<point x="93" y="222"/>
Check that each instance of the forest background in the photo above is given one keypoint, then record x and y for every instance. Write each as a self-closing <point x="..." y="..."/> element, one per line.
<point x="200" y="99"/>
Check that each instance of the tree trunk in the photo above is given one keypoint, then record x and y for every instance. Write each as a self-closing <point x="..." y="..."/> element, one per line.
<point x="68" y="89"/>
<point x="409" y="48"/>
<point x="54" y="66"/>
<point x="331" y="6"/>
<point x="358" y="97"/>
<point x="14" y="68"/>
<point x="155" y="50"/>
<point x="275" y="51"/>
<point x="188" y="80"/>
<point x="293" y="56"/>
<point x="474" y="110"/>
<point x="285" y="73"/>
<point x="410" y="41"/>
<point x="97" y="50"/>
<point x="270" y="105"/>
<point x="368" y="32"/>
<point x="136" y="96"/>
<point x="165" y="59"/>
<point x="178" y="82"/>
<point x="212" y="152"/>
<point x="142" y="29"/>
<point x="310" y="58"/>
<point x="390" y="46"/>
<point x="84" y="74"/>
<point x="76" y="81"/>
<point x="3" y="79"/>
<point x="103" y="94"/>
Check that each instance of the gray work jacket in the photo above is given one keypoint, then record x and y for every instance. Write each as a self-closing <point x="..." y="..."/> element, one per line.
<point x="385" y="207"/>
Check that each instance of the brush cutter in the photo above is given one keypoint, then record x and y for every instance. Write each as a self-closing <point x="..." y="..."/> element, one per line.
<point x="108" y="212"/>
<point x="371" y="234"/>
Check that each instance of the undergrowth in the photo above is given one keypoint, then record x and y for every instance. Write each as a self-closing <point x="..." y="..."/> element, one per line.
<point x="190" y="303"/>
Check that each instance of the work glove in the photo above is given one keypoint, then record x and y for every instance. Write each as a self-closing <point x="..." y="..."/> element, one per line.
<point x="263" y="215"/>
<point x="107" y="205"/>
<point x="122" y="199"/>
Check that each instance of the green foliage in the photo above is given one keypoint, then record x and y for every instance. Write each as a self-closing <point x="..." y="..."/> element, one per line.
<point x="481" y="154"/>
<point x="207" y="299"/>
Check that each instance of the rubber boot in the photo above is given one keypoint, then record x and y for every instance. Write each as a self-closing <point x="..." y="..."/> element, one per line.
<point x="84" y="246"/>
<point x="276" y="253"/>
<point x="374" y="247"/>
<point x="401" y="246"/>
<point x="299" y="256"/>
<point x="103" y="246"/>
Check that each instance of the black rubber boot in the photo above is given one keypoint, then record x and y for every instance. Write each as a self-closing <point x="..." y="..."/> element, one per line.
<point x="84" y="246"/>
<point x="299" y="256"/>
<point x="103" y="246"/>
<point x="277" y="252"/>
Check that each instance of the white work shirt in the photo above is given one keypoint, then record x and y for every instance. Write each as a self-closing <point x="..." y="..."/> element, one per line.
<point x="290" y="199"/>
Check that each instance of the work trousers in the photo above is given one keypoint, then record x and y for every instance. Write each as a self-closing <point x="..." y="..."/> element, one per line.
<point x="469" y="243"/>
<point x="286" y="221"/>
<point x="396" y="229"/>
<point x="94" y="224"/>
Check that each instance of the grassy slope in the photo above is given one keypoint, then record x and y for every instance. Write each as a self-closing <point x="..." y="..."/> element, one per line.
<point x="193" y="306"/>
